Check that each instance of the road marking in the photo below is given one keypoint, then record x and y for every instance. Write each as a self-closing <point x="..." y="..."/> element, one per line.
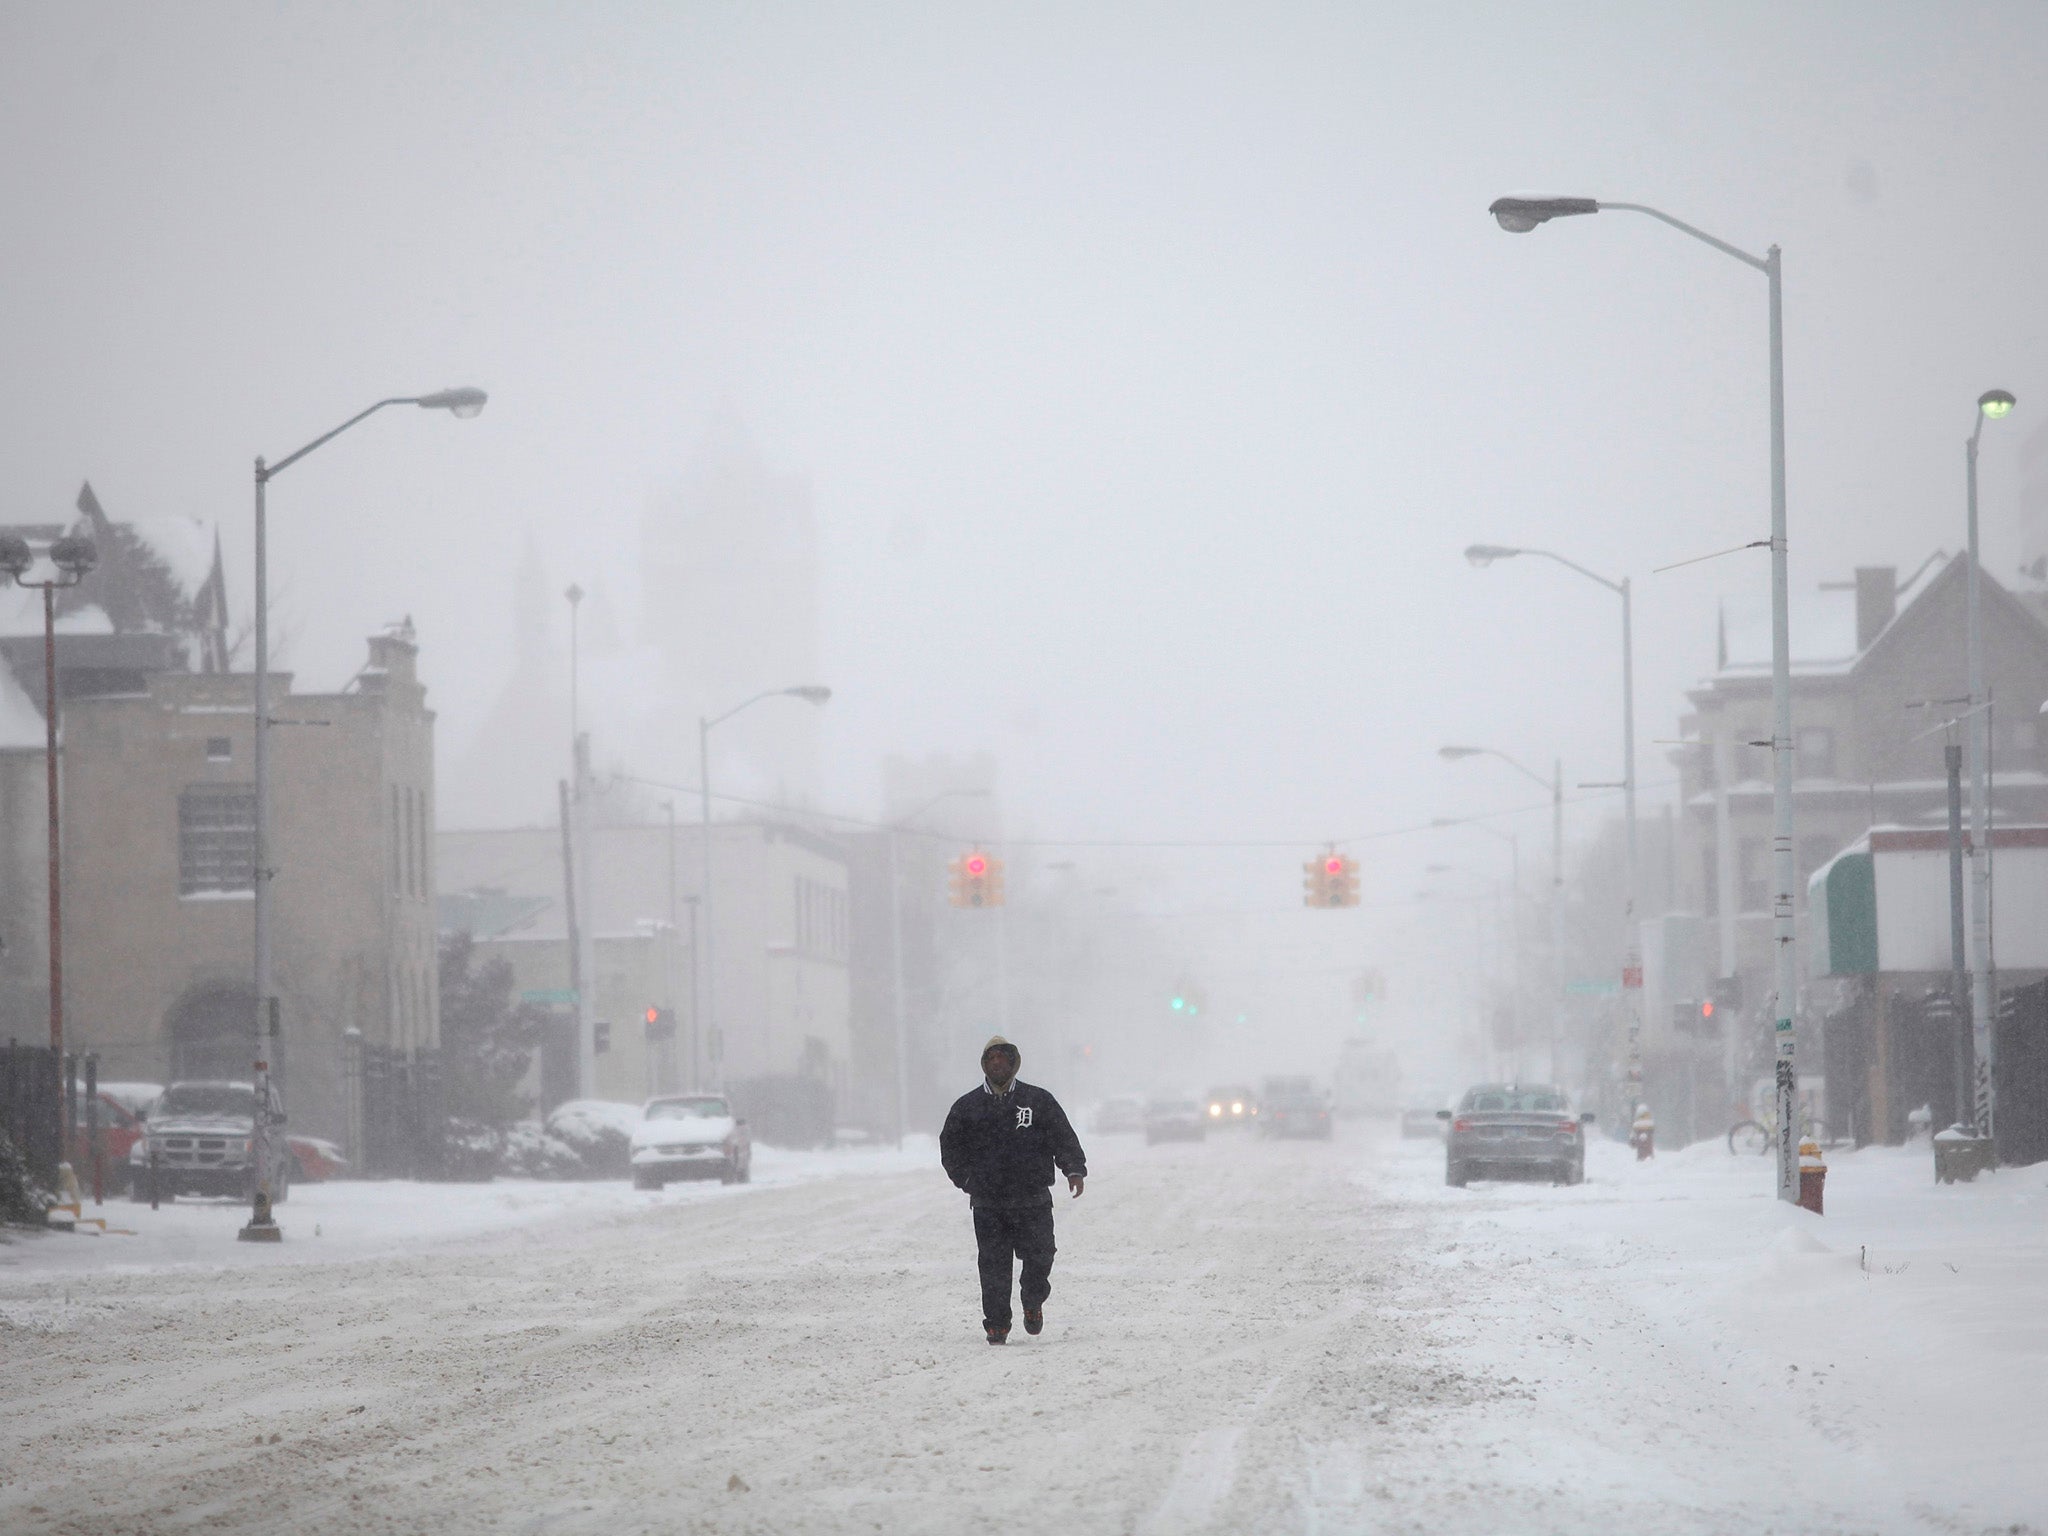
<point x="1207" y="1469"/>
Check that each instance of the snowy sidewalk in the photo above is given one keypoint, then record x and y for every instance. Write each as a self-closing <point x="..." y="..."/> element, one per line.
<point x="1687" y="1340"/>
<point x="356" y="1219"/>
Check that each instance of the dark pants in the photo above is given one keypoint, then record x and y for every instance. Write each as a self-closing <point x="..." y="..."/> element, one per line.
<point x="1022" y="1232"/>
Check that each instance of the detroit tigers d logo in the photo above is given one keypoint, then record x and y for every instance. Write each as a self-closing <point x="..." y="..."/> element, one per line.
<point x="1023" y="1116"/>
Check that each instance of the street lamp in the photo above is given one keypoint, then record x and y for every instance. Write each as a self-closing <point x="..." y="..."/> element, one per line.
<point x="73" y="556"/>
<point x="1519" y="215"/>
<point x="1556" y="788"/>
<point x="1483" y="555"/>
<point x="896" y="948"/>
<point x="810" y="693"/>
<point x="462" y="403"/>
<point x="1992" y="405"/>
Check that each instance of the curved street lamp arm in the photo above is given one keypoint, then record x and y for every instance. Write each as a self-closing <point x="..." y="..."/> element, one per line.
<point x="267" y="472"/>
<point x="1522" y="768"/>
<point x="766" y="693"/>
<point x="1616" y="587"/>
<point x="1723" y="246"/>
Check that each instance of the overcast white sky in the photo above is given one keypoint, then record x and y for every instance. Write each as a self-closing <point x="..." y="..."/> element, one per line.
<point x="1152" y="364"/>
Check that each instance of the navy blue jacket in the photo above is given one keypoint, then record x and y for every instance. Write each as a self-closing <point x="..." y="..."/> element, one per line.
<point x="1002" y="1150"/>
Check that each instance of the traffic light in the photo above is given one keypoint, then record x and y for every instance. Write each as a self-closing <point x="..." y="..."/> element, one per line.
<point x="1343" y="880"/>
<point x="1188" y="1000"/>
<point x="1332" y="881"/>
<point x="1700" y="1018"/>
<point x="975" y="880"/>
<point x="661" y="1023"/>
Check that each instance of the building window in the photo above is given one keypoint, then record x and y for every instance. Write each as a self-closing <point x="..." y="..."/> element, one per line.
<point x="411" y="878"/>
<point x="219" y="749"/>
<point x="1815" y="751"/>
<point x="216" y="838"/>
<point x="426" y="885"/>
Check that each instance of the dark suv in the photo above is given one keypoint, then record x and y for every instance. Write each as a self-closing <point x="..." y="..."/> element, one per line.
<point x="1510" y="1130"/>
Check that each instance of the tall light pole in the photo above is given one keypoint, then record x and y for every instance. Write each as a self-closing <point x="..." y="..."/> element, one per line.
<point x="1556" y="787"/>
<point x="1483" y="555"/>
<point x="1992" y="405"/>
<point x="1444" y="823"/>
<point x="810" y="693"/>
<point x="581" y="936"/>
<point x="1519" y="215"/>
<point x="73" y="556"/>
<point x="896" y="951"/>
<point x="464" y="404"/>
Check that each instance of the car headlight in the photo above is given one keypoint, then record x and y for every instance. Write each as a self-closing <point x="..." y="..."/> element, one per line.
<point x="1237" y="1109"/>
<point x="1215" y="1109"/>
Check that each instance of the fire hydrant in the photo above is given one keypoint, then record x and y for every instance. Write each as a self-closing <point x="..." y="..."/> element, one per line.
<point x="1642" y="1135"/>
<point x="1813" y="1176"/>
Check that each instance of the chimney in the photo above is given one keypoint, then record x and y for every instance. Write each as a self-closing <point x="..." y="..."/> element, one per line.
<point x="1877" y="601"/>
<point x="392" y="660"/>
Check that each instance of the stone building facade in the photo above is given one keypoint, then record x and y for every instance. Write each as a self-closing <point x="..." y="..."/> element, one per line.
<point x="159" y="822"/>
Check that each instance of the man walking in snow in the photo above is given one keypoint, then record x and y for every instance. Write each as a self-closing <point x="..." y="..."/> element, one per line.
<point x="1000" y="1144"/>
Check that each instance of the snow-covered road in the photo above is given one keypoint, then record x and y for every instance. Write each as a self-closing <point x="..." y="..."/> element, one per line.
<point x="1243" y="1336"/>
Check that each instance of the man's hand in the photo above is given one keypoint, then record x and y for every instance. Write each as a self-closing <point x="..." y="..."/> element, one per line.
<point x="1074" y="1182"/>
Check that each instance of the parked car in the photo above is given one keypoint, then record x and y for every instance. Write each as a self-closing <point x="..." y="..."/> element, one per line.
<point x="1297" y="1111"/>
<point x="1174" y="1120"/>
<point x="691" y="1136"/>
<point x="1118" y="1116"/>
<point x="315" y="1159"/>
<point x="1505" y="1130"/>
<point x="200" y="1140"/>
<point x="120" y="1127"/>
<point x="1417" y="1123"/>
<point x="1232" y="1106"/>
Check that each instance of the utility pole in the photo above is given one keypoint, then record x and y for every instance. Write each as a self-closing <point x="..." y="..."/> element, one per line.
<point x="1959" y="966"/>
<point x="1992" y="405"/>
<point x="574" y="937"/>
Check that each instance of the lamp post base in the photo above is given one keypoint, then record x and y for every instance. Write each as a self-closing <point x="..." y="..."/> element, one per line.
<point x="261" y="1227"/>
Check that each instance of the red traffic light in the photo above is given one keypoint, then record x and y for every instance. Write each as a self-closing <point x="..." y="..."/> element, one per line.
<point x="653" y="1015"/>
<point x="1333" y="865"/>
<point x="977" y="865"/>
<point x="1707" y="1009"/>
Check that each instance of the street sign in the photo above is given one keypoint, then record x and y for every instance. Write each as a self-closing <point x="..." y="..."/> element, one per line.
<point x="550" y="997"/>
<point x="1600" y="988"/>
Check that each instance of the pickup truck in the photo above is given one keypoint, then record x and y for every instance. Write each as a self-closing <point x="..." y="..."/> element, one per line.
<point x="199" y="1140"/>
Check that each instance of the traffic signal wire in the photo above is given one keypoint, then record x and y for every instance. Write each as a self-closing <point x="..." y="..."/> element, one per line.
<point x="869" y="824"/>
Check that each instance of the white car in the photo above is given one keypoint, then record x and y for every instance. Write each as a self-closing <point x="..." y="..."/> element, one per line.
<point x="690" y="1136"/>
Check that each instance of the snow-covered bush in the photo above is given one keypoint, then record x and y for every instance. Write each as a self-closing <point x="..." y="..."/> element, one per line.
<point x="470" y="1152"/>
<point x="527" y="1151"/>
<point x="22" y="1199"/>
<point x="600" y="1131"/>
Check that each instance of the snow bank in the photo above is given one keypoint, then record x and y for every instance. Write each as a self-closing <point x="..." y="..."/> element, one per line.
<point x="357" y="1218"/>
<point x="1881" y="1357"/>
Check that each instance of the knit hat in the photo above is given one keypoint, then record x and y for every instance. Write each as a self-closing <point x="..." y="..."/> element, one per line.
<point x="998" y="1043"/>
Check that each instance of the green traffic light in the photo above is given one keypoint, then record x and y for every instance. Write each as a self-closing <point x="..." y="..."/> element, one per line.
<point x="1179" y="1003"/>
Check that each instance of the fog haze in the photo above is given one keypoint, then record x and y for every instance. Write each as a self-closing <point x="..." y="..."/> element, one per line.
<point x="1148" y="370"/>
